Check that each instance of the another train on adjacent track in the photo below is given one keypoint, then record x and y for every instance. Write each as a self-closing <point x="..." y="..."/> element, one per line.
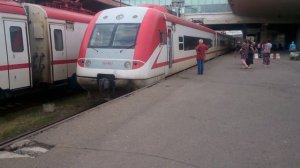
<point x="137" y="46"/>
<point x="39" y="45"/>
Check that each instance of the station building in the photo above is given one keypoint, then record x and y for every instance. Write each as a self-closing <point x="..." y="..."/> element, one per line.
<point x="257" y="20"/>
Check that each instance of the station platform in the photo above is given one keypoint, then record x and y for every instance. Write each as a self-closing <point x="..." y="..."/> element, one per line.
<point x="227" y="118"/>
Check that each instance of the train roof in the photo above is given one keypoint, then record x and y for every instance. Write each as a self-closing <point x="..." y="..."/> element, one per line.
<point x="53" y="13"/>
<point x="11" y="7"/>
<point x="187" y="23"/>
<point x="178" y="20"/>
<point x="175" y="19"/>
<point x="172" y="18"/>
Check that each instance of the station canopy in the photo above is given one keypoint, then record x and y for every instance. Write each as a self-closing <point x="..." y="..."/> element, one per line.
<point x="266" y="8"/>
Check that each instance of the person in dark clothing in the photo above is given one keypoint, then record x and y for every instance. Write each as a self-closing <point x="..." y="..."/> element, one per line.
<point x="200" y="49"/>
<point x="249" y="59"/>
<point x="259" y="50"/>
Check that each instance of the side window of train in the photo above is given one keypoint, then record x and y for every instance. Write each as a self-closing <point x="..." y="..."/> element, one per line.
<point x="16" y="39"/>
<point x="162" y="38"/>
<point x="190" y="43"/>
<point x="208" y="42"/>
<point x="58" y="39"/>
<point x="221" y="42"/>
<point x="180" y="39"/>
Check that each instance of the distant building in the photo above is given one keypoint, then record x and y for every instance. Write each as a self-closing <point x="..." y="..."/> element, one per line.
<point x="189" y="6"/>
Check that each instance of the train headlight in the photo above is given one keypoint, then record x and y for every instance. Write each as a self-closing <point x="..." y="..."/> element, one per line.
<point x="87" y="63"/>
<point x="120" y="16"/>
<point x="127" y="65"/>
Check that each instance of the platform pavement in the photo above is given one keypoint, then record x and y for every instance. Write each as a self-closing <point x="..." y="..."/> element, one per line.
<point x="228" y="118"/>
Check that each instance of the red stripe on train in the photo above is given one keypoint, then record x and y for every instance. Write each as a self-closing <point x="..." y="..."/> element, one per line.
<point x="27" y="65"/>
<point x="58" y="62"/>
<point x="14" y="66"/>
<point x="3" y="67"/>
<point x="161" y="64"/>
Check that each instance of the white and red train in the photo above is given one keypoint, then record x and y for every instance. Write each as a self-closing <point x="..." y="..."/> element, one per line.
<point x="38" y="44"/>
<point x="141" y="45"/>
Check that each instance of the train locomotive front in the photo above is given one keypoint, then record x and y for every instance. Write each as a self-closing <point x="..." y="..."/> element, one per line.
<point x="138" y="46"/>
<point x="118" y="48"/>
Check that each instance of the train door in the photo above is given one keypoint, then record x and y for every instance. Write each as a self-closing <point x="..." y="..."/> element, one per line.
<point x="4" y="83"/>
<point x="59" y="56"/>
<point x="170" y="50"/>
<point x="17" y="54"/>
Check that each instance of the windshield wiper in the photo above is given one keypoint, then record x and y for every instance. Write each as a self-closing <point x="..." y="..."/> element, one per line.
<point x="127" y="47"/>
<point x="95" y="49"/>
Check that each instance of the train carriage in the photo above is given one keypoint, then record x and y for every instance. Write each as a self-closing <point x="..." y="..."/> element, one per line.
<point x="15" y="71"/>
<point x="55" y="38"/>
<point x="136" y="46"/>
<point x="40" y="45"/>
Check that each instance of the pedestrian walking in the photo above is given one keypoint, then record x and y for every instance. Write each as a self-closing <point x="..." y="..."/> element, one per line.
<point x="244" y="54"/>
<point x="251" y="51"/>
<point x="200" y="49"/>
<point x="266" y="53"/>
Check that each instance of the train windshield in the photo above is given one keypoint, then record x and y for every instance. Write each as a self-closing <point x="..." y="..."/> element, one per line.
<point x="114" y="35"/>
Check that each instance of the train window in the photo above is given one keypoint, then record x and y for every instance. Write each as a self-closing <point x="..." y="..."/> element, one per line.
<point x="125" y="35"/>
<point x="208" y="42"/>
<point x="190" y="43"/>
<point x="181" y="46"/>
<point x="101" y="36"/>
<point x="180" y="39"/>
<point x="58" y="40"/>
<point x="16" y="39"/>
<point x="114" y="35"/>
<point x="162" y="38"/>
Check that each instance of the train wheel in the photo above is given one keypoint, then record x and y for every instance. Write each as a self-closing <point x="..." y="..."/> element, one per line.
<point x="73" y="84"/>
<point x="4" y="94"/>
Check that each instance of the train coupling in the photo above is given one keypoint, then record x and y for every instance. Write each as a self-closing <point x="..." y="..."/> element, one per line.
<point x="106" y="82"/>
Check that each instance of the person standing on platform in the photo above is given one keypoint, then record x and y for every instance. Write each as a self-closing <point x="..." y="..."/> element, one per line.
<point x="292" y="47"/>
<point x="200" y="49"/>
<point x="259" y="48"/>
<point x="244" y="54"/>
<point x="266" y="53"/>
<point x="251" y="52"/>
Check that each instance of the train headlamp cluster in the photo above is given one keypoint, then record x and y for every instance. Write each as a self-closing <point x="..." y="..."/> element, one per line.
<point x="127" y="65"/>
<point x="87" y="63"/>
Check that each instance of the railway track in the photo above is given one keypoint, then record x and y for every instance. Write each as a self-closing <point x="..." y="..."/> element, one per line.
<point x="5" y="144"/>
<point x="14" y="106"/>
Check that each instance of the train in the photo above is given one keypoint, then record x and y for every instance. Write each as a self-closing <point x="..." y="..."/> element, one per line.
<point x="136" y="46"/>
<point x="39" y="45"/>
